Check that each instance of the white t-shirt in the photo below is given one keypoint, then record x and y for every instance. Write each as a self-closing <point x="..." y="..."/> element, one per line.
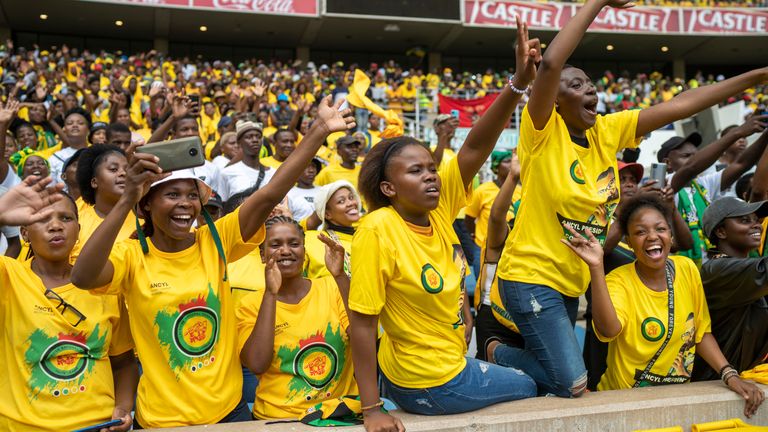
<point x="300" y="209"/>
<point x="307" y="195"/>
<point x="220" y="161"/>
<point x="56" y="162"/>
<point x="710" y="182"/>
<point x="211" y="175"/>
<point x="239" y="177"/>
<point x="6" y="232"/>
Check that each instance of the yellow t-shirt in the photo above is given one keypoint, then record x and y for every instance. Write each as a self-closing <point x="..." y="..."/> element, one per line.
<point x="90" y="220"/>
<point x="246" y="275"/>
<point x="568" y="184"/>
<point x="271" y="162"/>
<point x="314" y="253"/>
<point x="644" y="317"/>
<point x="414" y="281"/>
<point x="480" y="204"/>
<point x="182" y="319"/>
<point x="57" y="376"/>
<point x="312" y="360"/>
<point x="334" y="172"/>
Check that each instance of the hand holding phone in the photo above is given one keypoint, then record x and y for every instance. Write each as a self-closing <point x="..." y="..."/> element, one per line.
<point x="659" y="174"/>
<point x="176" y="154"/>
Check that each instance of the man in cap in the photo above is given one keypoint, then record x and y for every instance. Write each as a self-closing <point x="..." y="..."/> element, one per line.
<point x="249" y="171"/>
<point x="348" y="149"/>
<point x="445" y="127"/>
<point x="685" y="163"/>
<point x="735" y="284"/>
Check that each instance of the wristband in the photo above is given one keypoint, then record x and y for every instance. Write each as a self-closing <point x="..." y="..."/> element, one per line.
<point x="724" y="368"/>
<point x="515" y="89"/>
<point x="376" y="405"/>
<point x="728" y="375"/>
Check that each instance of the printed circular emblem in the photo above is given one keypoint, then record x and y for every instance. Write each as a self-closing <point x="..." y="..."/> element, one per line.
<point x="576" y="174"/>
<point x="652" y="329"/>
<point x="195" y="331"/>
<point x="316" y="363"/>
<point x="431" y="280"/>
<point x="64" y="360"/>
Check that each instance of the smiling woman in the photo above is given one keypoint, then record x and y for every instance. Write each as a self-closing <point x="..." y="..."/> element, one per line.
<point x="653" y="312"/>
<point x="174" y="280"/>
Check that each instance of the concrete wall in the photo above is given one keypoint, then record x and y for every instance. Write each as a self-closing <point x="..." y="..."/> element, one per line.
<point x="623" y="410"/>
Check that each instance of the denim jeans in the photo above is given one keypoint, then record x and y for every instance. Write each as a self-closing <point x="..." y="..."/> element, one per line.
<point x="241" y="413"/>
<point x="552" y="356"/>
<point x="478" y="385"/>
<point x="250" y="382"/>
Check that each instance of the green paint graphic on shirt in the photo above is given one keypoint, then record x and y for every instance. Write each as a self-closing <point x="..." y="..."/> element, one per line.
<point x="189" y="334"/>
<point x="59" y="364"/>
<point x="315" y="363"/>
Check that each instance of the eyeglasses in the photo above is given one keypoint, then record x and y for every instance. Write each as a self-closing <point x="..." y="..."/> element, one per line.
<point x="69" y="312"/>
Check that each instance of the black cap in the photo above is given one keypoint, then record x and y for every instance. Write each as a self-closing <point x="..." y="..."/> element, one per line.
<point x="727" y="207"/>
<point x="348" y="139"/>
<point x="675" y="142"/>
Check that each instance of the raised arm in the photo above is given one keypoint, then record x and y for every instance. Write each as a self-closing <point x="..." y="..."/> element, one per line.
<point x="445" y="133"/>
<point x="603" y="313"/>
<point x="180" y="107"/>
<point x="483" y="136"/>
<point x="93" y="268"/>
<point x="497" y="220"/>
<point x="544" y="91"/>
<point x="256" y="208"/>
<point x="705" y="157"/>
<point x="760" y="180"/>
<point x="7" y="114"/>
<point x="692" y="101"/>
<point x="258" y="350"/>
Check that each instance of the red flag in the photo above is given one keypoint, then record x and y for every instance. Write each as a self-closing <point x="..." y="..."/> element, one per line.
<point x="469" y="109"/>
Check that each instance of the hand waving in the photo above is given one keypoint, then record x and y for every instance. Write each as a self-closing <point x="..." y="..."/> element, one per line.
<point x="29" y="201"/>
<point x="527" y="56"/>
<point x="333" y="120"/>
<point x="588" y="249"/>
<point x="334" y="255"/>
<point x="620" y="4"/>
<point x="8" y="111"/>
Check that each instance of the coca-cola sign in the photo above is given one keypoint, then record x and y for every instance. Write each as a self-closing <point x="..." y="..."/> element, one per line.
<point x="652" y="20"/>
<point x="274" y="7"/>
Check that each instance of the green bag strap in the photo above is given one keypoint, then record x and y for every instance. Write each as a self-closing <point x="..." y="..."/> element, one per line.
<point x="214" y="233"/>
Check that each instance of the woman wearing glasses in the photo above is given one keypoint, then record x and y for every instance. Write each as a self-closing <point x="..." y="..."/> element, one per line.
<point x="68" y="354"/>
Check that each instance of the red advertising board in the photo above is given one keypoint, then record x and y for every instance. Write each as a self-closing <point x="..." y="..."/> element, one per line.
<point x="501" y="13"/>
<point x="274" y="7"/>
<point x="469" y="109"/>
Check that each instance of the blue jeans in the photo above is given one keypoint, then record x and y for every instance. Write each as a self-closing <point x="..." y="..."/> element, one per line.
<point x="250" y="382"/>
<point x="479" y="385"/>
<point x="552" y="355"/>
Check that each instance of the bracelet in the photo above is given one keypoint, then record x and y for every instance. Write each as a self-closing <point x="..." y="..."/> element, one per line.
<point x="376" y="405"/>
<point x="515" y="89"/>
<point x="722" y="369"/>
<point x="728" y="375"/>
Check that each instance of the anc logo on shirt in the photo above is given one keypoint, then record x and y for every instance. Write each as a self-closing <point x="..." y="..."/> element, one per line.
<point x="652" y="329"/>
<point x="431" y="280"/>
<point x="577" y="174"/>
<point x="315" y="363"/>
<point x="195" y="330"/>
<point x="59" y="364"/>
<point x="189" y="333"/>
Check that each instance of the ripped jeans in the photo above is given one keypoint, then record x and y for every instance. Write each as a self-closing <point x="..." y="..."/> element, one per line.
<point x="478" y="385"/>
<point x="552" y="356"/>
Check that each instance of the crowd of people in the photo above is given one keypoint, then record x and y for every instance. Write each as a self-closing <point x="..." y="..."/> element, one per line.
<point x="311" y="261"/>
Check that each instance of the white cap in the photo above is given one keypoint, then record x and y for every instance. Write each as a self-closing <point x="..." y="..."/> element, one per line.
<point x="188" y="174"/>
<point x="326" y="192"/>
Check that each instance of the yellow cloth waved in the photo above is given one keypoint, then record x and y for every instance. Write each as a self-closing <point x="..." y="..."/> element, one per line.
<point x="358" y="99"/>
<point x="757" y="374"/>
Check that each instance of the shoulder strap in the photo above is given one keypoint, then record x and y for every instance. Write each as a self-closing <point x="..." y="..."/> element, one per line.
<point x="670" y="273"/>
<point x="261" y="177"/>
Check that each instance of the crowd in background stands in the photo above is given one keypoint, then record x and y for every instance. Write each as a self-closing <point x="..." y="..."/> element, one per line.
<point x="112" y="85"/>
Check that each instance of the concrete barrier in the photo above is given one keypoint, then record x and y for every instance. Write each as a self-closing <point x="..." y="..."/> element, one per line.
<point x="621" y="410"/>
